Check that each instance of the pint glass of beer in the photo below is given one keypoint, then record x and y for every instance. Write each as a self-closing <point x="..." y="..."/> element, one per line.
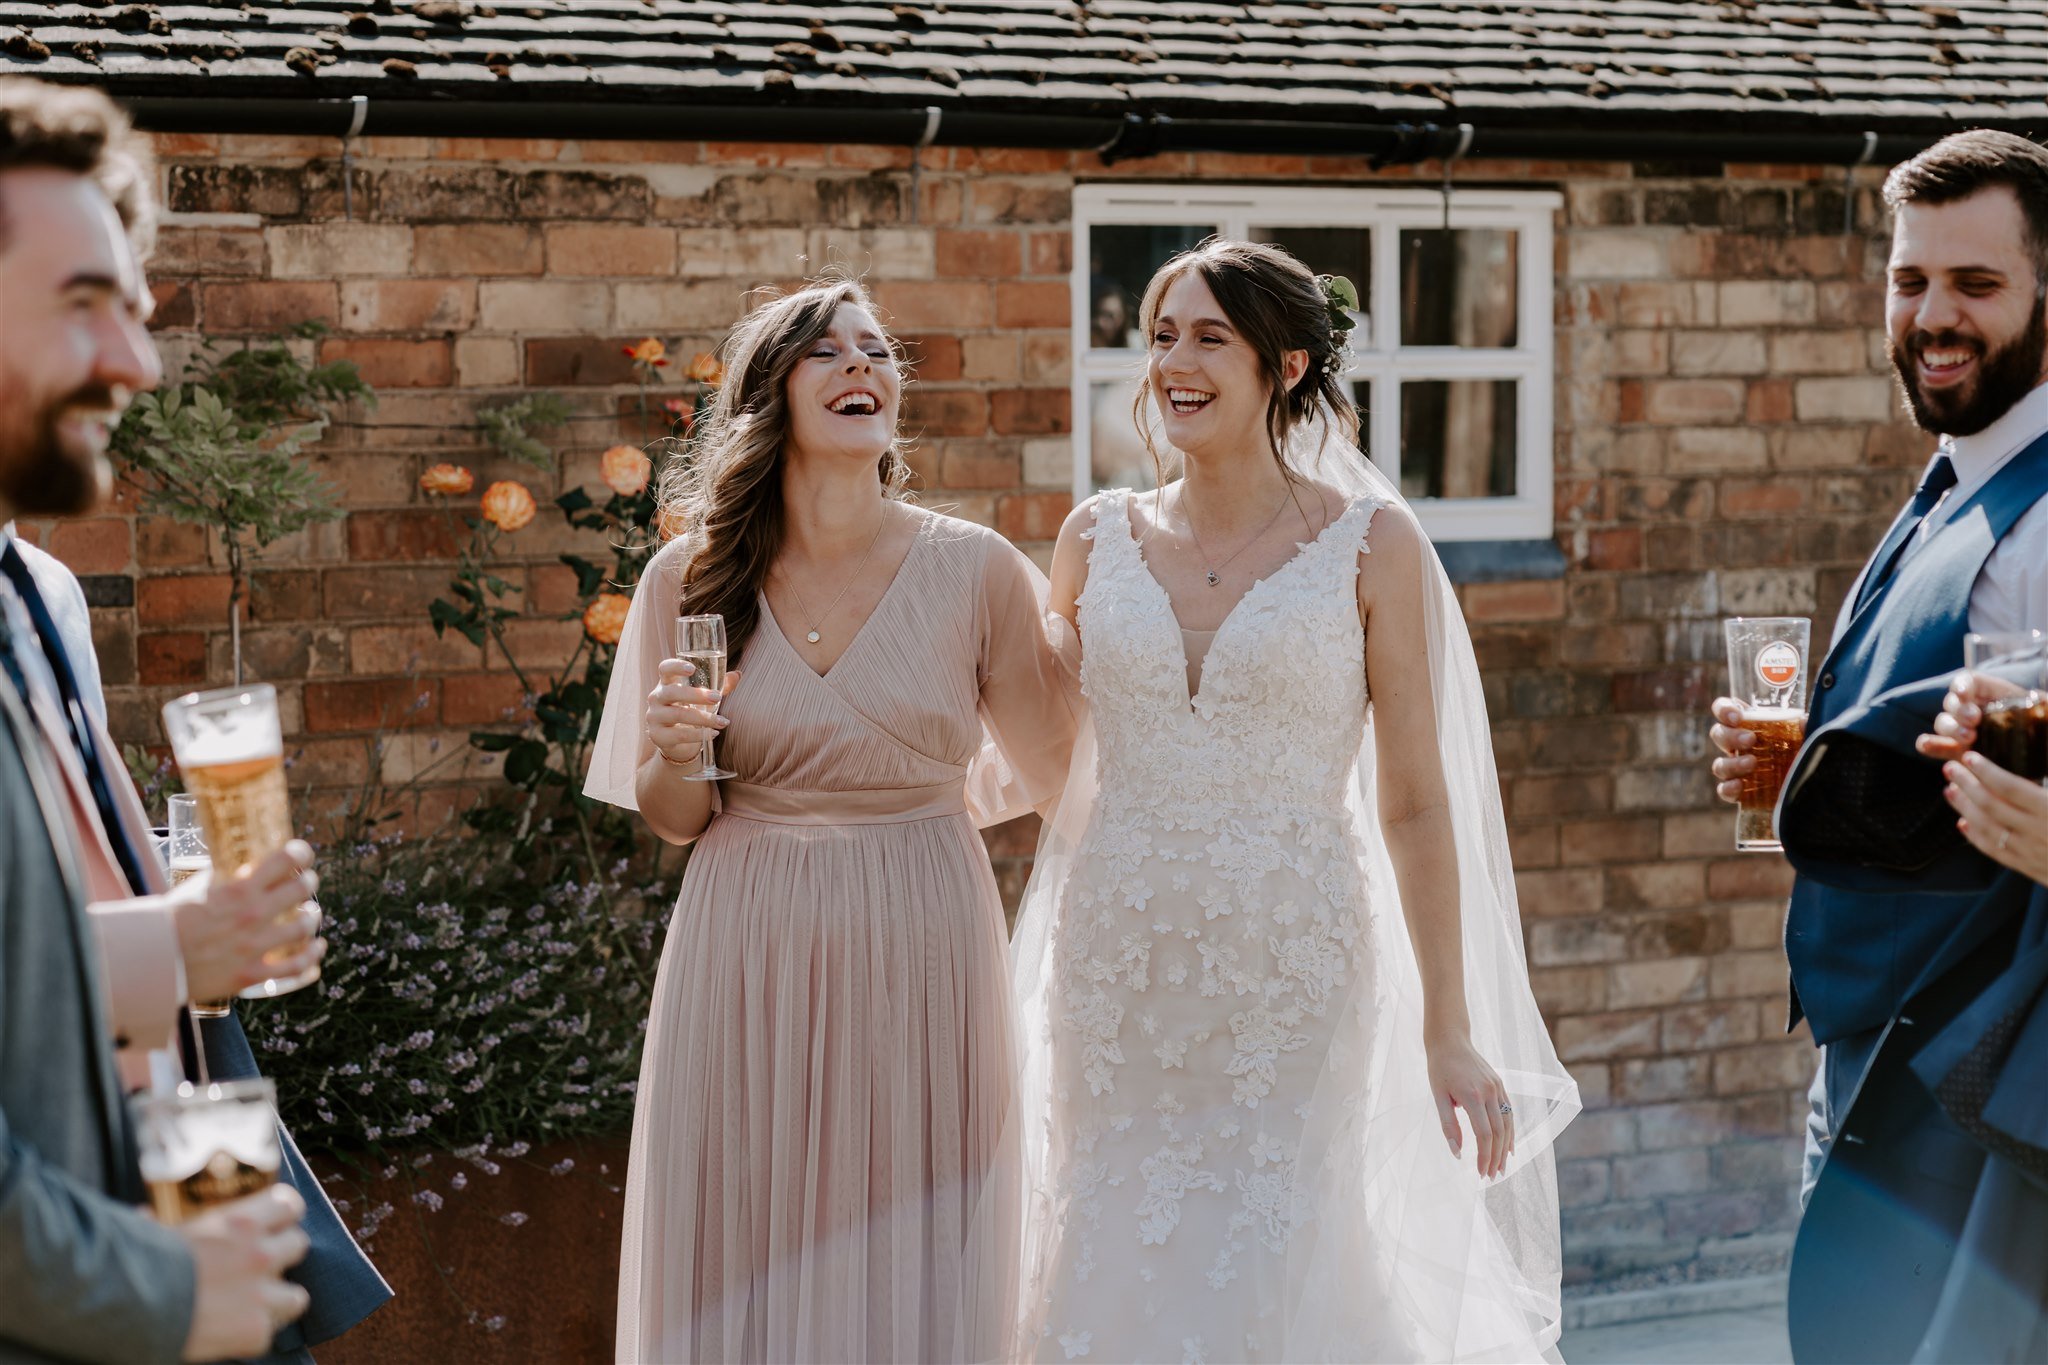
<point x="1767" y="657"/>
<point x="2014" y="731"/>
<point x="231" y="754"/>
<point x="185" y="858"/>
<point x="203" y="1145"/>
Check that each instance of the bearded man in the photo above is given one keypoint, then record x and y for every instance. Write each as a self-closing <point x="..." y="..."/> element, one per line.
<point x="1925" y="1235"/>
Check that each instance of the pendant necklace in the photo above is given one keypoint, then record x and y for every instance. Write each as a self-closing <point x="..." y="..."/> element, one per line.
<point x="1215" y="574"/>
<point x="812" y="633"/>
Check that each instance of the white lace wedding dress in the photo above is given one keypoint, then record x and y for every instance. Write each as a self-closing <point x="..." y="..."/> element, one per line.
<point x="1220" y="1140"/>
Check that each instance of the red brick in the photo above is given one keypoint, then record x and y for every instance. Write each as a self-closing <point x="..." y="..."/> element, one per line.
<point x="562" y="361"/>
<point x="284" y="595"/>
<point x="482" y="699"/>
<point x="375" y="536"/>
<point x="1514" y="601"/>
<point x="1012" y="160"/>
<point x="932" y="359"/>
<point x="1763" y="497"/>
<point x="1032" y="516"/>
<point x="187" y="599"/>
<point x="1710" y="1026"/>
<point x="391" y="363"/>
<point x="977" y="464"/>
<point x="408" y="305"/>
<point x="944" y="412"/>
<point x="1750" y="877"/>
<point x="101" y="545"/>
<point x="940" y="303"/>
<point x="379" y="704"/>
<point x="161" y="543"/>
<point x="610" y="250"/>
<point x="268" y="305"/>
<point x="478" y="249"/>
<point x="1663" y="689"/>
<point x="1619" y="1034"/>
<point x="765" y="154"/>
<point x="1555" y="892"/>
<point x="1051" y="253"/>
<point x="497" y="149"/>
<point x="1768" y="1066"/>
<point x="1031" y="412"/>
<point x="1032" y="303"/>
<point x="1769" y="400"/>
<point x="1615" y="547"/>
<point x="175" y="658"/>
<point x="381" y="594"/>
<point x="979" y="255"/>
<point x="1610" y="840"/>
<point x="176" y="306"/>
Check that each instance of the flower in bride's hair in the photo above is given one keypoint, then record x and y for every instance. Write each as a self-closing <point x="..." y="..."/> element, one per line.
<point x="625" y="470"/>
<point x="604" y="620"/>
<point x="507" y="505"/>
<point x="705" y="368"/>
<point x="648" y="352"/>
<point x="447" y="480"/>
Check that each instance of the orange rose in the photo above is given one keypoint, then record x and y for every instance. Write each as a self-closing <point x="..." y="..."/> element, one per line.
<point x="605" y="618"/>
<point x="705" y="369"/>
<point x="507" y="505"/>
<point x="447" y="480"/>
<point x="648" y="352"/>
<point x="670" y="524"/>
<point x="625" y="470"/>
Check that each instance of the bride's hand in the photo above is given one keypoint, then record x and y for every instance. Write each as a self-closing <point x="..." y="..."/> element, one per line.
<point x="681" y="716"/>
<point x="1460" y="1078"/>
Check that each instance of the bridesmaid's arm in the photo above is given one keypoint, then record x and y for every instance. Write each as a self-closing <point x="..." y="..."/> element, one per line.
<point x="680" y="718"/>
<point x="1415" y="821"/>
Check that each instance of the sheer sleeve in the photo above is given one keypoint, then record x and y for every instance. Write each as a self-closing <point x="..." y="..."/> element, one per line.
<point x="1028" y="671"/>
<point x="622" y="744"/>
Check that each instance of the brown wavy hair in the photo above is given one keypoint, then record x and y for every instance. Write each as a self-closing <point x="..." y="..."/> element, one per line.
<point x="1277" y="305"/>
<point x="728" y="494"/>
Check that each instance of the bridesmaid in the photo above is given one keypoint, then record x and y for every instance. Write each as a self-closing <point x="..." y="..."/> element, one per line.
<point x="822" y="1163"/>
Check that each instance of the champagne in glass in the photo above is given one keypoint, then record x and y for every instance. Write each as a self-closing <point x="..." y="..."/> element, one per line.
<point x="700" y="641"/>
<point x="187" y="858"/>
<point x="231" y="752"/>
<point x="1767" y="665"/>
<point x="202" y="1146"/>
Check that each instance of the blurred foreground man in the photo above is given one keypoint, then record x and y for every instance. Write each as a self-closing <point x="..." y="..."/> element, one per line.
<point x="1916" y="958"/>
<point x="86" y="1275"/>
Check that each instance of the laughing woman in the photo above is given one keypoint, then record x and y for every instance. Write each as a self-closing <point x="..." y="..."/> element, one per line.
<point x="822" y="1163"/>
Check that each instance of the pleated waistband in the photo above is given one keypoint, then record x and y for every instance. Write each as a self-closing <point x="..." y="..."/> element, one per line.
<point x="875" y="806"/>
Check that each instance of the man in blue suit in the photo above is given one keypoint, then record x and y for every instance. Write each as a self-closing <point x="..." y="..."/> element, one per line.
<point x="1896" y="925"/>
<point x="73" y="212"/>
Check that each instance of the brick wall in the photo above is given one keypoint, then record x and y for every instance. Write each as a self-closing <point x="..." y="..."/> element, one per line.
<point x="1725" y="443"/>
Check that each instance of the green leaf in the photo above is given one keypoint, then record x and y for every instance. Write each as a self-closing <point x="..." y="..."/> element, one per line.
<point x="525" y="761"/>
<point x="575" y="500"/>
<point x="491" y="741"/>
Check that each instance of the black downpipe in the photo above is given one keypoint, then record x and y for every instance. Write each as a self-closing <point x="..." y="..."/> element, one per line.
<point x="1117" y="139"/>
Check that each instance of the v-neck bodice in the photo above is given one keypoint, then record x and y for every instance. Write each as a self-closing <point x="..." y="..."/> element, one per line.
<point x="1281" y="697"/>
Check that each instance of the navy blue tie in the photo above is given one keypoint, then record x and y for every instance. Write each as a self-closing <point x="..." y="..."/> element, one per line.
<point x="1939" y="478"/>
<point x="75" y="715"/>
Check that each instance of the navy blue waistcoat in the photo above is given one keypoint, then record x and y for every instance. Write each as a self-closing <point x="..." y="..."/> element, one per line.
<point x="1857" y="951"/>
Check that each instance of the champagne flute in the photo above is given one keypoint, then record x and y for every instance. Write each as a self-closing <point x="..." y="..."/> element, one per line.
<point x="187" y="858"/>
<point x="700" y="640"/>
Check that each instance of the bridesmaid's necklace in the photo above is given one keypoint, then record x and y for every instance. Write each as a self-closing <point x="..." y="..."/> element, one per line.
<point x="811" y="633"/>
<point x="1215" y="571"/>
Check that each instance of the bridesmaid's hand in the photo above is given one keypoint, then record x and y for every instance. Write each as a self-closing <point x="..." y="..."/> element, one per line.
<point x="1460" y="1078"/>
<point x="2003" y="815"/>
<point x="681" y="717"/>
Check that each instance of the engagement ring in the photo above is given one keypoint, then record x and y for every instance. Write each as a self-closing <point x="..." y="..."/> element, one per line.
<point x="2004" y="838"/>
<point x="1506" y="1108"/>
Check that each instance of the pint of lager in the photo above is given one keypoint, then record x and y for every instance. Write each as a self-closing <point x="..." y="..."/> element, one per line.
<point x="206" y="1145"/>
<point x="1767" y="658"/>
<point x="230" y="752"/>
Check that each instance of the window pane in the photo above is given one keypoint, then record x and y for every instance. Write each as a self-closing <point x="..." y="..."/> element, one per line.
<point x="1333" y="251"/>
<point x="1458" y="438"/>
<point x="1458" y="288"/>
<point x="1121" y="261"/>
<point x="1117" y="457"/>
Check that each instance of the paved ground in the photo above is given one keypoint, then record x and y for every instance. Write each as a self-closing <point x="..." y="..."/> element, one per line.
<point x="1753" y="1336"/>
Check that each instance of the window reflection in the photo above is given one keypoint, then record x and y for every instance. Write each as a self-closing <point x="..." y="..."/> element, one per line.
<point x="1121" y="262"/>
<point x="1458" y="438"/>
<point x="1117" y="456"/>
<point x="1458" y="288"/>
<point x="1332" y="251"/>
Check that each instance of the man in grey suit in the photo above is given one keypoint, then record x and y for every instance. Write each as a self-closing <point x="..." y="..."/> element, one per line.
<point x="86" y="1274"/>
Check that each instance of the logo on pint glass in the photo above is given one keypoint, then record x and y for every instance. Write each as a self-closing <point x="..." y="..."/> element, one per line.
<point x="1777" y="663"/>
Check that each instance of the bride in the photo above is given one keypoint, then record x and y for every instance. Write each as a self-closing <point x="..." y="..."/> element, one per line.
<point x="1288" y="1096"/>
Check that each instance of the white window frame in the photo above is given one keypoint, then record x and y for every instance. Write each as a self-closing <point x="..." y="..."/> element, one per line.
<point x="1236" y="209"/>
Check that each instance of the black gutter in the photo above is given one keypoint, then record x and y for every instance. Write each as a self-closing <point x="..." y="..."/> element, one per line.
<point x="1116" y="139"/>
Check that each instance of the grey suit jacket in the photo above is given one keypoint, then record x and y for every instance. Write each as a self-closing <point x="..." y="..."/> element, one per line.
<point x="84" y="1276"/>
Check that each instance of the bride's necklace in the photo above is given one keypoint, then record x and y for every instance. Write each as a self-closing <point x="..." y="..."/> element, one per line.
<point x="1215" y="571"/>
<point x="811" y="631"/>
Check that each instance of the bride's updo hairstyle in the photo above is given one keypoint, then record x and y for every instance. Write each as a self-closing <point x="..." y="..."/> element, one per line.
<point x="728" y="493"/>
<point x="1276" y="305"/>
